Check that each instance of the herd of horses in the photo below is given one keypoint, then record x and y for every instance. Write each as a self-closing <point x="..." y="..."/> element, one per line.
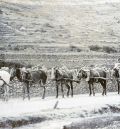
<point x="61" y="76"/>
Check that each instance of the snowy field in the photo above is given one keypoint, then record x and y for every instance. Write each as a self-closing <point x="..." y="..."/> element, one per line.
<point x="67" y="110"/>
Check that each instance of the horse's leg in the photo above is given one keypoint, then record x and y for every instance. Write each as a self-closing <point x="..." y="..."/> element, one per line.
<point x="68" y="87"/>
<point x="71" y="84"/>
<point x="62" y="89"/>
<point x="57" y="85"/>
<point x="105" y="83"/>
<point x="44" y="90"/>
<point x="93" y="89"/>
<point x="6" y="92"/>
<point x="24" y="87"/>
<point x="28" y="90"/>
<point x="118" y="86"/>
<point x="90" y="89"/>
<point x="103" y="88"/>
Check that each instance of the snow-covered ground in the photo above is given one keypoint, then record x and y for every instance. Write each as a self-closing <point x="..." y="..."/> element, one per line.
<point x="68" y="109"/>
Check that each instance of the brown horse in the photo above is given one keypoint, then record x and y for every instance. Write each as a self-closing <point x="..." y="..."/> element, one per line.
<point x="62" y="77"/>
<point x="31" y="77"/>
<point x="95" y="75"/>
<point x="116" y="75"/>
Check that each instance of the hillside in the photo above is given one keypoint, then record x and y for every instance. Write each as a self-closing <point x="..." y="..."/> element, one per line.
<point x="56" y="26"/>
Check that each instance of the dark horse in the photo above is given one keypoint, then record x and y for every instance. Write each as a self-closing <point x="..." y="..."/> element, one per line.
<point x="31" y="77"/>
<point x="62" y="77"/>
<point x="96" y="75"/>
<point x="115" y="73"/>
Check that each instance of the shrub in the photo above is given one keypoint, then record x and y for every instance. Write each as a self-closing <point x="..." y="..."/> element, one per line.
<point x="72" y="48"/>
<point x="16" y="48"/>
<point x="48" y="25"/>
<point x="95" y="48"/>
<point x="2" y="48"/>
<point x="108" y="49"/>
<point x="75" y="48"/>
<point x="78" y="49"/>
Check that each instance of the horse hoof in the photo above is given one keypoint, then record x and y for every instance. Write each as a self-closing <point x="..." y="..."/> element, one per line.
<point x="68" y="96"/>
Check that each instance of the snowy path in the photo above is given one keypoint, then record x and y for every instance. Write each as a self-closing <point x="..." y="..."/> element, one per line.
<point x="16" y="107"/>
<point x="68" y="109"/>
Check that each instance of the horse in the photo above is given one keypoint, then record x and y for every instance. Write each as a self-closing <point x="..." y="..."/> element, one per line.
<point x="115" y="73"/>
<point x="62" y="76"/>
<point x="6" y="76"/>
<point x="95" y="75"/>
<point x="4" y="83"/>
<point x="31" y="77"/>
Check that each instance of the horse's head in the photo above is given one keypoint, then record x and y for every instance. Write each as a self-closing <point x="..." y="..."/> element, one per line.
<point x="115" y="73"/>
<point x="81" y="74"/>
<point x="54" y="73"/>
<point x="12" y="72"/>
<point x="19" y="74"/>
<point x="24" y="75"/>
